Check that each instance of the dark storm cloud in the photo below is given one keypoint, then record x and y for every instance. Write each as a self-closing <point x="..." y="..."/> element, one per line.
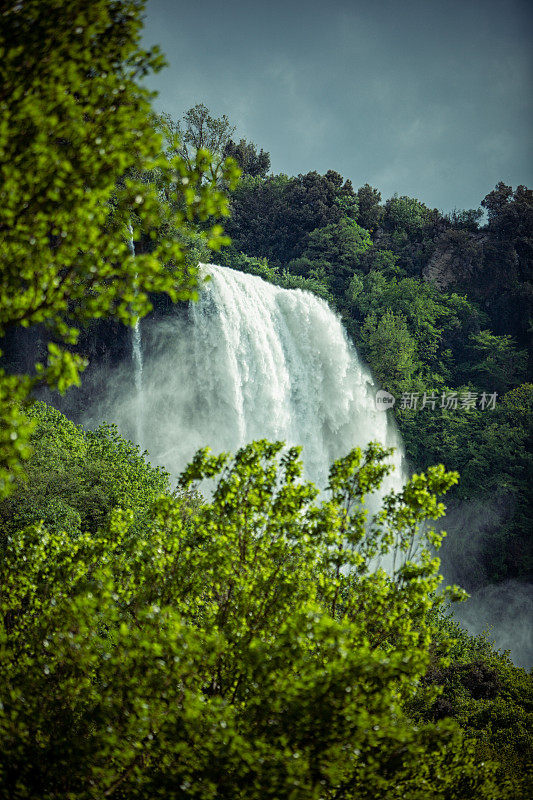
<point x="421" y="98"/>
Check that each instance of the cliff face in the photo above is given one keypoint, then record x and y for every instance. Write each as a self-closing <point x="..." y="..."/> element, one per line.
<point x="102" y="340"/>
<point x="22" y="347"/>
<point x="456" y="261"/>
<point x="102" y="343"/>
<point x="441" y="269"/>
<point x="106" y="344"/>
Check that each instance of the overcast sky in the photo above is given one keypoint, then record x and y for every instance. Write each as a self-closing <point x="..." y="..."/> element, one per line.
<point x="425" y="98"/>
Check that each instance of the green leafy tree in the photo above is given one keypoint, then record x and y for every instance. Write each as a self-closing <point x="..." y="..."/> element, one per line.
<point x="256" y="216"/>
<point x="405" y="214"/>
<point x="380" y="260"/>
<point x="466" y="219"/>
<point x="490" y="698"/>
<point x="333" y="251"/>
<point x="369" y="209"/>
<point x="75" y="122"/>
<point x="495" y="362"/>
<point x="248" y="159"/>
<point x="390" y="348"/>
<point x="411" y="231"/>
<point x="197" y="131"/>
<point x="259" y="266"/>
<point x="272" y="218"/>
<point x="439" y="323"/>
<point x="75" y="478"/>
<point x="492" y="264"/>
<point x="491" y="449"/>
<point x="498" y="201"/>
<point x="248" y="647"/>
<point x="504" y="283"/>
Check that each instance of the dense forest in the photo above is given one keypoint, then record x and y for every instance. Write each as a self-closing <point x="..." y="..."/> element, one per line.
<point x="161" y="641"/>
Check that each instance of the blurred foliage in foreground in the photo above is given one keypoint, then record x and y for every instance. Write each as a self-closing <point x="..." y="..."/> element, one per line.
<point x="81" y="169"/>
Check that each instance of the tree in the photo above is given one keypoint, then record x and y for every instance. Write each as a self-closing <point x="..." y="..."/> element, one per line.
<point x="495" y="362"/>
<point x="438" y="323"/>
<point x="379" y="260"/>
<point x="273" y="218"/>
<point x="259" y="266"/>
<point x="248" y="159"/>
<point x="248" y="647"/>
<point x="497" y="201"/>
<point x="256" y="223"/>
<point x="75" y="123"/>
<point x="410" y="230"/>
<point x="369" y="209"/>
<point x="405" y="214"/>
<point x="390" y="348"/>
<point x="491" y="698"/>
<point x="198" y="131"/>
<point x="334" y="251"/>
<point x="75" y="478"/>
<point x="465" y="219"/>
<point x="511" y="229"/>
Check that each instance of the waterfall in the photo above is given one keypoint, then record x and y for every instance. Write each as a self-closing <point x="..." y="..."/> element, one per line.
<point x="251" y="360"/>
<point x="138" y="370"/>
<point x="137" y="358"/>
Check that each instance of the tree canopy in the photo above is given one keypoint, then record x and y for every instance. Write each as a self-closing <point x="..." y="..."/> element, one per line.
<point x="160" y="644"/>
<point x="273" y="217"/>
<point x="197" y="132"/>
<point x="248" y="159"/>
<point x="246" y="646"/>
<point x="75" y="478"/>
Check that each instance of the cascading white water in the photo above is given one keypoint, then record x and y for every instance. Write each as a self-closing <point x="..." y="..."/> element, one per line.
<point x="251" y="360"/>
<point x="137" y="358"/>
<point x="138" y="371"/>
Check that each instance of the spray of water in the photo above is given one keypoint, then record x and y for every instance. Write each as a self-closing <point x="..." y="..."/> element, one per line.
<point x="137" y="358"/>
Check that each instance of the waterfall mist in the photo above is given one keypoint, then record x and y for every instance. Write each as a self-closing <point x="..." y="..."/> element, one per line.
<point x="502" y="611"/>
<point x="249" y="360"/>
<point x="137" y="357"/>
